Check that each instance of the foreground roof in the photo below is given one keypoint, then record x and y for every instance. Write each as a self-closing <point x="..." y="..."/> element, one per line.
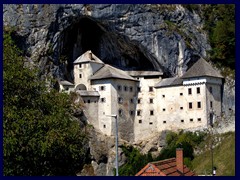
<point x="165" y="167"/>
<point x="108" y="72"/>
<point x="201" y="68"/>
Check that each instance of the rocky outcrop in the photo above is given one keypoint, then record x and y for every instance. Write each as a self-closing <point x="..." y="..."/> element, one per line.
<point x="126" y="35"/>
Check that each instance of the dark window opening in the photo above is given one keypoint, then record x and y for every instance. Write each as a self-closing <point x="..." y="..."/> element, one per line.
<point x="120" y="100"/>
<point x="198" y="90"/>
<point x="103" y="100"/>
<point x="151" y="100"/>
<point x="139" y="101"/>
<point x="139" y="121"/>
<point x="125" y="88"/>
<point x="210" y="89"/>
<point x="199" y="119"/>
<point x="89" y="101"/>
<point x="151" y="113"/>
<point x="190" y="105"/>
<point x="181" y="94"/>
<point x="191" y="120"/>
<point x="199" y="104"/>
<point x="163" y="96"/>
<point x="181" y="108"/>
<point x="163" y="109"/>
<point x="182" y="120"/>
<point x="211" y="104"/>
<point x="150" y="123"/>
<point x="119" y="88"/>
<point x="139" y="113"/>
<point x="102" y="88"/>
<point x="189" y="91"/>
<point x="120" y="112"/>
<point x="150" y="89"/>
<point x="164" y="122"/>
<point x="130" y="88"/>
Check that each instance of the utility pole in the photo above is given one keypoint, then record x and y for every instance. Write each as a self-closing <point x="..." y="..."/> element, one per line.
<point x="212" y="117"/>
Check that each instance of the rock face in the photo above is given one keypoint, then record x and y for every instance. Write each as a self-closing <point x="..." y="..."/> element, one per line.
<point x="133" y="36"/>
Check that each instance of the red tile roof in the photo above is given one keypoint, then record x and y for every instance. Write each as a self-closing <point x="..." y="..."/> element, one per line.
<point x="165" y="167"/>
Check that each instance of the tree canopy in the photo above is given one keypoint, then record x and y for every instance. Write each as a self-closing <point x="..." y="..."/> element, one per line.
<point x="40" y="136"/>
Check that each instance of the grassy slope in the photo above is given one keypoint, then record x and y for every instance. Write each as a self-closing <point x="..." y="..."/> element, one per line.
<point x="224" y="158"/>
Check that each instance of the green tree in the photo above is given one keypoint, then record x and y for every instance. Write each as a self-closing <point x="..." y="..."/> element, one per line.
<point x="40" y="135"/>
<point x="220" y="24"/>
<point x="135" y="161"/>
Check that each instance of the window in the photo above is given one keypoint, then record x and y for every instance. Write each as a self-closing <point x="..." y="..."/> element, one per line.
<point x="163" y="109"/>
<point x="199" y="104"/>
<point x="190" y="105"/>
<point x="210" y="89"/>
<point x="191" y="120"/>
<point x="199" y="119"/>
<point x="182" y="120"/>
<point x="150" y="100"/>
<point x="151" y="112"/>
<point x="66" y="88"/>
<point x="125" y="88"/>
<point x="139" y="89"/>
<point x="163" y="96"/>
<point x="119" y="87"/>
<point x="150" y="89"/>
<point x="138" y="112"/>
<point x="164" y="122"/>
<point x="150" y="123"/>
<point x="131" y="101"/>
<point x="198" y="90"/>
<point x="131" y="112"/>
<point x="89" y="101"/>
<point x="84" y="101"/>
<point x="189" y="91"/>
<point x="181" y="94"/>
<point x="181" y="108"/>
<point x="103" y="100"/>
<point x="131" y="89"/>
<point x="211" y="104"/>
<point x="139" y="101"/>
<point x="104" y="126"/>
<point x="102" y="88"/>
<point x="140" y="121"/>
<point x="80" y="75"/>
<point x="80" y="65"/>
<point x="120" y="112"/>
<point x="120" y="100"/>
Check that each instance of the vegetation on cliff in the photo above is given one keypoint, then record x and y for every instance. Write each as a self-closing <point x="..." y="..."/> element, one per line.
<point x="39" y="135"/>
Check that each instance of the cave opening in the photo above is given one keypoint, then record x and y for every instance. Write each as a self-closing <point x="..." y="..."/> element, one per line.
<point x="82" y="36"/>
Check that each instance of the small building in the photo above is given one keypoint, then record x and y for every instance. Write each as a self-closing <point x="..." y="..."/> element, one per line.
<point x="167" y="167"/>
<point x="66" y="86"/>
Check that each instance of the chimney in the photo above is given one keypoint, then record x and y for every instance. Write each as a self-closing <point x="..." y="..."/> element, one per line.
<point x="179" y="159"/>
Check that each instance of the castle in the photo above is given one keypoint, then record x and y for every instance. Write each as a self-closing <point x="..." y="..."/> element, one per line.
<point x="144" y="102"/>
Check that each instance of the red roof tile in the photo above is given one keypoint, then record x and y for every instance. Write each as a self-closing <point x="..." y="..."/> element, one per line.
<point x="165" y="167"/>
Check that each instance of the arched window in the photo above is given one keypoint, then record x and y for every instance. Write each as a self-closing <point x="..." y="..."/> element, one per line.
<point x="81" y="87"/>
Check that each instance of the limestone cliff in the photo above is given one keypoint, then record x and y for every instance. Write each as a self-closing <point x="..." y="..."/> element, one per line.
<point x="130" y="36"/>
<point x="136" y="36"/>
